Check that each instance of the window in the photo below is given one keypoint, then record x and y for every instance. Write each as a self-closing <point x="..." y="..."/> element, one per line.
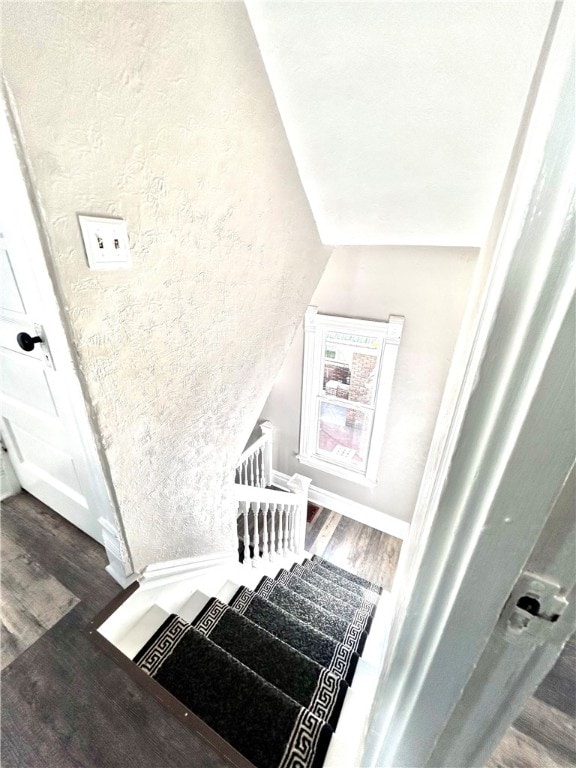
<point x="348" y="370"/>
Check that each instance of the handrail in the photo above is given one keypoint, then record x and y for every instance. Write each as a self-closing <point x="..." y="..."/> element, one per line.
<point x="254" y="467"/>
<point x="265" y="495"/>
<point x="252" y="448"/>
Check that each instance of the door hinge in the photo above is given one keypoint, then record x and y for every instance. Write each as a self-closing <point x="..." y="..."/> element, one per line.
<point x="532" y="611"/>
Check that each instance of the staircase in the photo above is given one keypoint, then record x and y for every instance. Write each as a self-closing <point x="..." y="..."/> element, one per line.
<point x="273" y="660"/>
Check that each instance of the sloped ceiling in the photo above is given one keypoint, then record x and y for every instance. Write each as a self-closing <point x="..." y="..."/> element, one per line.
<point x="401" y="115"/>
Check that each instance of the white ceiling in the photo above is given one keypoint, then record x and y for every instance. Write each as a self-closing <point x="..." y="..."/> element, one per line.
<point x="401" y="115"/>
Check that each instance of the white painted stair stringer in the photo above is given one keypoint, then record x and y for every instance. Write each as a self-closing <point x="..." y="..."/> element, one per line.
<point x="171" y="594"/>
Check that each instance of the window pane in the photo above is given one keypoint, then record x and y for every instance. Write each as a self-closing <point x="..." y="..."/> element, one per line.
<point x="344" y="433"/>
<point x="350" y="366"/>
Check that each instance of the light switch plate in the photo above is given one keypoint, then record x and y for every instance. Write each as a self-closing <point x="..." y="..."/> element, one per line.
<point x="106" y="242"/>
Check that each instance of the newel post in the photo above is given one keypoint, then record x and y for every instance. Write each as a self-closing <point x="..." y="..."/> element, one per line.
<point x="300" y="484"/>
<point x="267" y="430"/>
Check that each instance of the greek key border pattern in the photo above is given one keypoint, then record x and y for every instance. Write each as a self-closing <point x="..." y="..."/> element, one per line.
<point x="211" y="618"/>
<point x="325" y="695"/>
<point x="303" y="741"/>
<point x="340" y="661"/>
<point x="163" y="647"/>
<point x="241" y="602"/>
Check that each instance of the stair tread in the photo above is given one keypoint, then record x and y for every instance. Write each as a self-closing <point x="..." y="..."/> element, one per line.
<point x="349" y="635"/>
<point x="336" y="569"/>
<point x="323" y="649"/>
<point x="270" y="668"/>
<point x="327" y="585"/>
<point x="352" y="614"/>
<point x="301" y="678"/>
<point x="254" y="716"/>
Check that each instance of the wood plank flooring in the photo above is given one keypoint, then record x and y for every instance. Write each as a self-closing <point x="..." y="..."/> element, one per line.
<point x="362" y="550"/>
<point x="32" y="601"/>
<point x="65" y="704"/>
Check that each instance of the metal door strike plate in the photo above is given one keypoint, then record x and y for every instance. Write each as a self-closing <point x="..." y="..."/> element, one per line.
<point x="532" y="611"/>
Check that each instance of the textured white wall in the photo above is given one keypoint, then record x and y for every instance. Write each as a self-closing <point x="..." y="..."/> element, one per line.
<point x="162" y="114"/>
<point x="430" y="287"/>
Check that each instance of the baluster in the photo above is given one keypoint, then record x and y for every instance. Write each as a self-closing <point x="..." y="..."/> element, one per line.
<point x="287" y="508"/>
<point x="272" y="532"/>
<point x="267" y="429"/>
<point x="265" y="552"/>
<point x="261" y="481"/>
<point x="255" y="536"/>
<point x="293" y="527"/>
<point x="244" y="509"/>
<point x="283" y="530"/>
<point x="279" y="530"/>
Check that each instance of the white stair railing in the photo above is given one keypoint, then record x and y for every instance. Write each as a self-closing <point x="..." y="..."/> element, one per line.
<point x="273" y="522"/>
<point x="254" y="466"/>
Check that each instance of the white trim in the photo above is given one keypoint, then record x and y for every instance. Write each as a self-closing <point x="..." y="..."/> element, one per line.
<point x="97" y="488"/>
<point x="381" y="521"/>
<point x="336" y="470"/>
<point x="495" y="484"/>
<point x="9" y="485"/>
<point x="252" y="493"/>
<point x="171" y="570"/>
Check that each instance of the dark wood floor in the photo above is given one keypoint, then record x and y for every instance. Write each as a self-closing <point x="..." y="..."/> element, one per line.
<point x="353" y="546"/>
<point x="65" y="703"/>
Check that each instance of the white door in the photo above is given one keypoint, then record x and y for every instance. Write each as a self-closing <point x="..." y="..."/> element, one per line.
<point x="37" y="424"/>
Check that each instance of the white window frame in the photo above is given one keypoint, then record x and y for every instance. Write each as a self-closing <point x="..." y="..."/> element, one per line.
<point x="316" y="327"/>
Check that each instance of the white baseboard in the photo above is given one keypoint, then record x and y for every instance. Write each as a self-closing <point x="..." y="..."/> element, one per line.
<point x="187" y="566"/>
<point x="360" y="512"/>
<point x="9" y="485"/>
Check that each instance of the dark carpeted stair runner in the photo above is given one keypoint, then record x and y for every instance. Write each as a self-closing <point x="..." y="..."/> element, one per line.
<point x="269" y="671"/>
<point x="304" y="680"/>
<point x="340" y="576"/>
<point x="328" y="602"/>
<point x="319" y="581"/>
<point x="323" y="649"/>
<point x="256" y="718"/>
<point x="350" y="635"/>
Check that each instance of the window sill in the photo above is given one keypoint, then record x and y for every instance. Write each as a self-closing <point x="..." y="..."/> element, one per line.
<point x="334" y="469"/>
